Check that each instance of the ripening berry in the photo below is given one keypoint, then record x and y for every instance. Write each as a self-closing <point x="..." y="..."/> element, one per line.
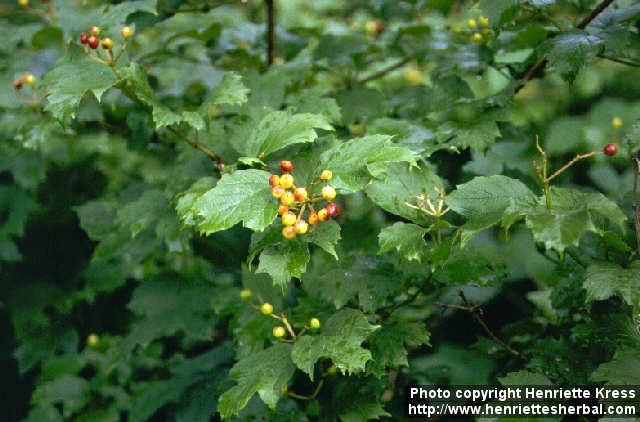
<point x="326" y="175"/>
<point x="413" y="76"/>
<point x="314" y="323"/>
<point x="616" y="122"/>
<point x="287" y="199"/>
<point x="328" y="193"/>
<point x="28" y="78"/>
<point x="313" y="218"/>
<point x="289" y="218"/>
<point x="477" y="37"/>
<point x="23" y="3"/>
<point x="277" y="192"/>
<point x="93" y="42"/>
<point x="300" y="194"/>
<point x="323" y="215"/>
<point x="372" y="27"/>
<point x="286" y="166"/>
<point x="610" y="149"/>
<point x="301" y="227"/>
<point x="472" y="24"/>
<point x="279" y="331"/>
<point x="333" y="209"/>
<point x="266" y="308"/>
<point x="94" y="30"/>
<point x="93" y="340"/>
<point x="107" y="43"/>
<point x="274" y="180"/>
<point x="286" y="181"/>
<point x="17" y="84"/>
<point x="484" y="22"/>
<point x="126" y="31"/>
<point x="289" y="232"/>
<point x="282" y="209"/>
<point x="245" y="294"/>
<point x="356" y="129"/>
<point x="84" y="38"/>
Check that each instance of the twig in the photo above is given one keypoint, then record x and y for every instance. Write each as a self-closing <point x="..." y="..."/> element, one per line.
<point x="271" y="32"/>
<point x="212" y="155"/>
<point x="386" y="70"/>
<point x="535" y="70"/>
<point x="634" y="201"/>
<point x="570" y="163"/>
<point x="477" y="312"/>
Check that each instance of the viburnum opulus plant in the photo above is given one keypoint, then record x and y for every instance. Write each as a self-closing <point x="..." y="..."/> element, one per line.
<point x="293" y="210"/>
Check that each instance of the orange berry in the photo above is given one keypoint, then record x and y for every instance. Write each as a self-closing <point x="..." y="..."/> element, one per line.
<point x="289" y="232"/>
<point x="282" y="209"/>
<point x="289" y="218"/>
<point x="323" y="215"/>
<point x="328" y="193"/>
<point x="313" y="218"/>
<point x="274" y="180"/>
<point x="301" y="227"/>
<point x="28" y="78"/>
<point x="300" y="194"/>
<point x="17" y="84"/>
<point x="286" y="166"/>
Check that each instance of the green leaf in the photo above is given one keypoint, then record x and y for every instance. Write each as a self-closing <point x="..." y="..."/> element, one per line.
<point x="570" y="50"/>
<point x="284" y="261"/>
<point x="524" y="378"/>
<point x="340" y="340"/>
<point x="70" y="391"/>
<point x="355" y="162"/>
<point x="230" y="90"/>
<point x="326" y="236"/>
<point x="605" y="280"/>
<point x="623" y="369"/>
<point x="71" y="79"/>
<point x="498" y="11"/>
<point x="406" y="239"/>
<point x="143" y="212"/>
<point x="279" y="129"/>
<point x="400" y="187"/>
<point x="452" y="364"/>
<point x="573" y="213"/>
<point x="244" y="195"/>
<point x="487" y="201"/>
<point x="389" y="345"/>
<point x="478" y="137"/>
<point x="266" y="372"/>
<point x="115" y="15"/>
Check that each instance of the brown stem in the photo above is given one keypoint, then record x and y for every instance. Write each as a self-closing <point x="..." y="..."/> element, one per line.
<point x="271" y="31"/>
<point x="570" y="163"/>
<point x="386" y="70"/>
<point x="634" y="201"/>
<point x="537" y="68"/>
<point x="212" y="155"/>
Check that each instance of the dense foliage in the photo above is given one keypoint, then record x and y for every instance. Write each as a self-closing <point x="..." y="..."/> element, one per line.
<point x="463" y="219"/>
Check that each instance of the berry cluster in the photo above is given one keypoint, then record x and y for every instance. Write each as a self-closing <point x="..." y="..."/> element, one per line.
<point x="280" y="331"/>
<point x="27" y="78"/>
<point x="611" y="149"/>
<point x="92" y="40"/>
<point x="479" y="29"/>
<point x="295" y="200"/>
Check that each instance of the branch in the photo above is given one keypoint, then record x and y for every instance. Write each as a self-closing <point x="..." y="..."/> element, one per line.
<point x="271" y="32"/>
<point x="477" y="312"/>
<point x="634" y="201"/>
<point x="536" y="70"/>
<point x="386" y="70"/>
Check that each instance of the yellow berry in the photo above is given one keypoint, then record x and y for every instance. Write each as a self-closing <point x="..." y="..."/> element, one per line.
<point x="301" y="226"/>
<point x="277" y="192"/>
<point x="413" y="76"/>
<point x="93" y="340"/>
<point x="289" y="232"/>
<point x="286" y="181"/>
<point x="245" y="294"/>
<point x="477" y="37"/>
<point x="314" y="323"/>
<point x="326" y="175"/>
<point x="28" y="78"/>
<point x="484" y="22"/>
<point x="323" y="215"/>
<point x="371" y="27"/>
<point x="279" y="331"/>
<point x="266" y="308"/>
<point x="617" y="122"/>
<point x="126" y="31"/>
<point x="95" y="31"/>
<point x="23" y="3"/>
<point x="356" y="129"/>
<point x="472" y="24"/>
<point x="107" y="43"/>
<point x="328" y="193"/>
<point x="287" y="199"/>
<point x="289" y="218"/>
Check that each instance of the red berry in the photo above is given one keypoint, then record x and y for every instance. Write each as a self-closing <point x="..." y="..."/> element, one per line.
<point x="610" y="149"/>
<point x="93" y="42"/>
<point x="274" y="180"/>
<point x="84" y="38"/>
<point x="286" y="166"/>
<point x="333" y="209"/>
<point x="17" y="84"/>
